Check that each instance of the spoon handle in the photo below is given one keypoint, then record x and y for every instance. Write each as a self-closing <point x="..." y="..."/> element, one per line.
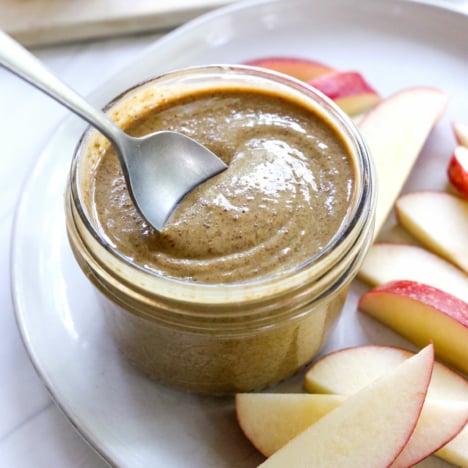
<point x="22" y="63"/>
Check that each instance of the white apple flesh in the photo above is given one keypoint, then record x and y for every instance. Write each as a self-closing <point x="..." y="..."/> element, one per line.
<point x="438" y="220"/>
<point x="438" y="424"/>
<point x="370" y="428"/>
<point x="387" y="262"/>
<point x="395" y="132"/>
<point x="460" y="131"/>
<point x="348" y="370"/>
<point x="271" y="420"/>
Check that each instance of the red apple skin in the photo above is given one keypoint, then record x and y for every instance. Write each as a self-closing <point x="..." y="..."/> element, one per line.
<point x="391" y="261"/>
<point x="450" y="305"/>
<point x="349" y="90"/>
<point x="300" y="68"/>
<point x="458" y="170"/>
<point x="398" y="304"/>
<point x="342" y="84"/>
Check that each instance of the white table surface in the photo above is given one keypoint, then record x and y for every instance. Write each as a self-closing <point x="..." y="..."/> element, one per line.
<point x="33" y="432"/>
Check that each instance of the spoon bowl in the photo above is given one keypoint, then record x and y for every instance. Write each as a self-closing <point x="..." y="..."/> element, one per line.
<point x="173" y="162"/>
<point x="159" y="169"/>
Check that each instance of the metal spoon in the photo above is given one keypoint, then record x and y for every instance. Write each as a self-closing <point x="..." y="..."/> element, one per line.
<point x="159" y="168"/>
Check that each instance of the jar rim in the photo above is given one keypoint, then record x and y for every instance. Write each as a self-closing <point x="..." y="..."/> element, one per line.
<point x="359" y="214"/>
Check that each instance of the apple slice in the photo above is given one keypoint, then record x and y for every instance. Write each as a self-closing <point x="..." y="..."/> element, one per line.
<point x="349" y="370"/>
<point x="456" y="451"/>
<point x="270" y="420"/>
<point x="395" y="132"/>
<point x="370" y="428"/>
<point x="460" y="131"/>
<point x="300" y="68"/>
<point x="422" y="314"/>
<point x="348" y="89"/>
<point x="358" y="118"/>
<point x="439" y="220"/>
<point x="387" y="262"/>
<point x="458" y="170"/>
<point x="439" y="422"/>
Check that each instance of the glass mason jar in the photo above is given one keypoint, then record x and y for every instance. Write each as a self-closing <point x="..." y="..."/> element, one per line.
<point x="220" y="338"/>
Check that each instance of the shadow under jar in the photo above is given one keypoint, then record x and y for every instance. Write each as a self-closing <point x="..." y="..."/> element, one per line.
<point x="268" y="248"/>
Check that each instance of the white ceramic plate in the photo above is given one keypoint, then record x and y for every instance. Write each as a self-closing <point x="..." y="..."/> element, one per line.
<point x="129" y="419"/>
